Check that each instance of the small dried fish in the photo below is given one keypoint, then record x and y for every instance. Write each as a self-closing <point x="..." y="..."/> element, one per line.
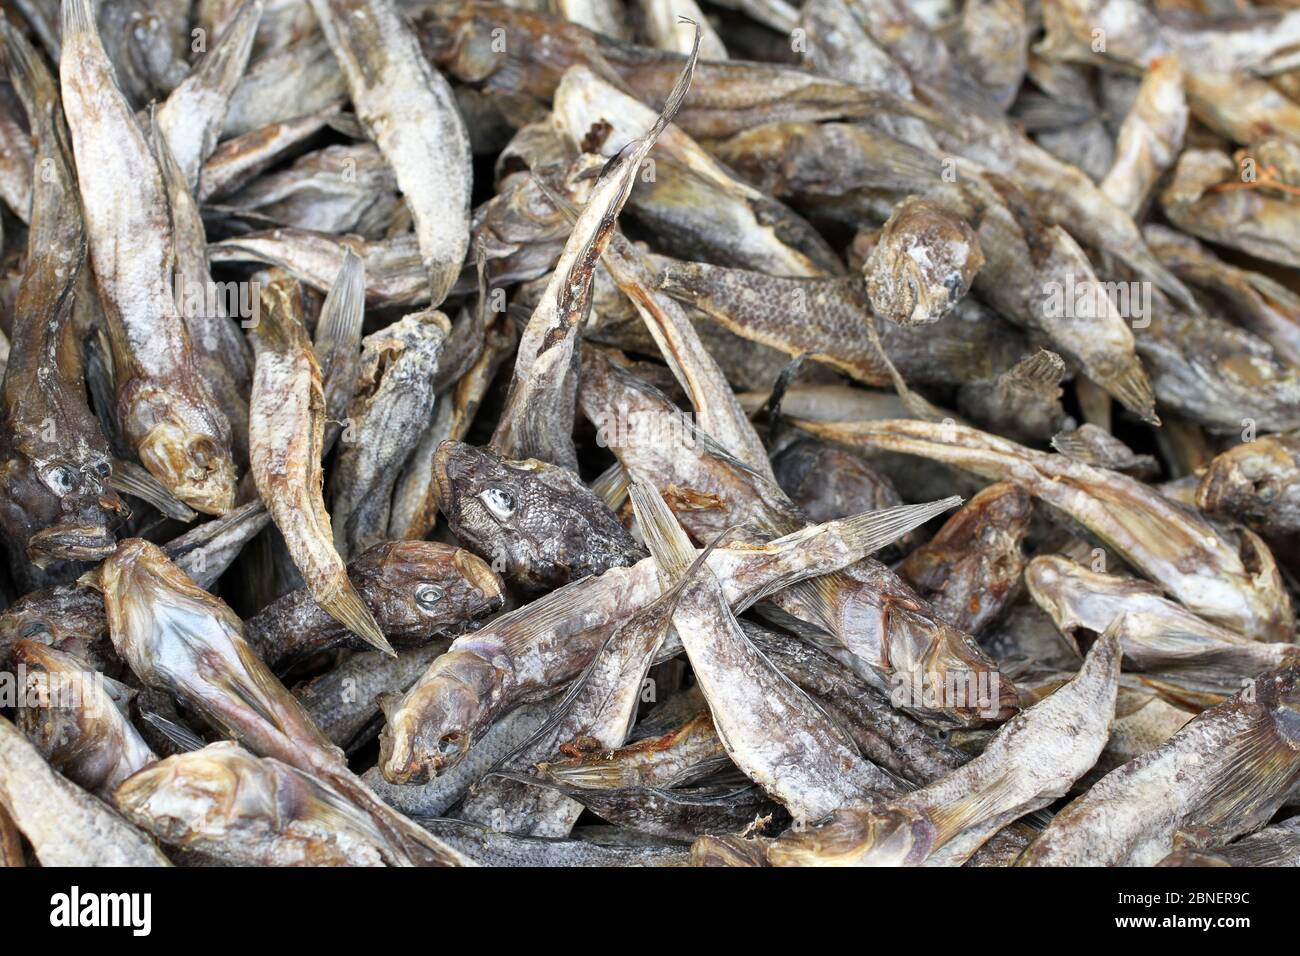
<point x="164" y="406"/>
<point x="286" y="434"/>
<point x="1032" y="760"/>
<point x="1157" y="636"/>
<point x="253" y="811"/>
<point x="416" y="590"/>
<point x="70" y="716"/>
<point x="1232" y="583"/>
<point x="969" y="570"/>
<point x="537" y="523"/>
<point x="65" y="825"/>
<point x="179" y="638"/>
<point x="1224" y="774"/>
<point x="393" y="397"/>
<point x="408" y="109"/>
<point x="1256" y="482"/>
<point x="54" y="460"/>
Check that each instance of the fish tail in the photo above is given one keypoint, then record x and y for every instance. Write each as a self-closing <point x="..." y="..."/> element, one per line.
<point x="1042" y="369"/>
<point x="664" y="537"/>
<point x="348" y="609"/>
<point x="78" y="17"/>
<point x="344" y="308"/>
<point x="872" y="530"/>
<point x="1132" y="388"/>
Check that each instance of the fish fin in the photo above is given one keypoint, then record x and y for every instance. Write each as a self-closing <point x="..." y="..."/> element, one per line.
<point x="872" y="530"/>
<point x="1095" y="446"/>
<point x="79" y="17"/>
<point x="348" y="609"/>
<point x="611" y="486"/>
<point x="129" y="478"/>
<point x="915" y="403"/>
<point x="186" y="740"/>
<point x="1042" y="370"/>
<point x="521" y="627"/>
<point x="592" y="776"/>
<point x="343" y="311"/>
<point x="663" y="535"/>
<point x="1132" y="388"/>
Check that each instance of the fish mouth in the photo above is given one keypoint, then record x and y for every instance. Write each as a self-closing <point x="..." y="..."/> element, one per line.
<point x="476" y="571"/>
<point x="194" y="468"/>
<point x="71" y="543"/>
<point x="442" y="464"/>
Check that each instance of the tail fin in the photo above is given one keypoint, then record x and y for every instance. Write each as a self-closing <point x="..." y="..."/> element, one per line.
<point x="667" y="542"/>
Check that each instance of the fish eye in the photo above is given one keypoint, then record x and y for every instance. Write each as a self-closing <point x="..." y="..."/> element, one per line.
<point x="103" y="469"/>
<point x="499" y="501"/>
<point x="59" y="479"/>
<point x="427" y="596"/>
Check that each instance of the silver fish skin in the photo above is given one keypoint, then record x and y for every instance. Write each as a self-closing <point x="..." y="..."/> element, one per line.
<point x="409" y="111"/>
<point x="434" y="798"/>
<point x="394" y="273"/>
<point x="236" y="161"/>
<point x="65" y="825"/>
<point x="490" y="848"/>
<point x="283" y="85"/>
<point x="221" y="354"/>
<point x="1224" y="774"/>
<point x="343" y="702"/>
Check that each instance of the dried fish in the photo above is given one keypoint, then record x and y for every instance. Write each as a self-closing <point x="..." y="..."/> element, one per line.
<point x="166" y="409"/>
<point x="408" y="109"/>
<point x="65" y="825"/>
<point x="54" y="460"/>
<point x="1246" y="761"/>
<point x="286" y="434"/>
<point x="1232" y="583"/>
<point x="416" y="590"/>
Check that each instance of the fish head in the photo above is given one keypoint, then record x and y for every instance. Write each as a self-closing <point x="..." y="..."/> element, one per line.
<point x="191" y="793"/>
<point x="64" y="713"/>
<point x="941" y="674"/>
<point x="431" y="728"/>
<point x="889" y="836"/>
<point x="1252" y="480"/>
<point x="149" y="602"/>
<point x="67" y="617"/>
<point x="534" y="521"/>
<point x="417" y="589"/>
<point x="179" y="446"/>
<point x="62" y="509"/>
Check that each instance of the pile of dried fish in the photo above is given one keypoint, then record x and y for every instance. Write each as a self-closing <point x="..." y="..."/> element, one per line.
<point x="649" y="432"/>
